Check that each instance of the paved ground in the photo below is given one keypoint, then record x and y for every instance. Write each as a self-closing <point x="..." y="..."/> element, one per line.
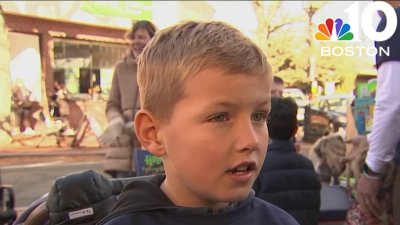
<point x="31" y="181"/>
<point x="32" y="171"/>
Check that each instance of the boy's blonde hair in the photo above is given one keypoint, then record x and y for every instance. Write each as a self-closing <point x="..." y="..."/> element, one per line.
<point x="180" y="51"/>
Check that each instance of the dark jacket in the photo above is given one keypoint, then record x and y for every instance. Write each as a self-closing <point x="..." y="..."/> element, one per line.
<point x="288" y="180"/>
<point x="143" y="203"/>
<point x="393" y="42"/>
<point x="80" y="198"/>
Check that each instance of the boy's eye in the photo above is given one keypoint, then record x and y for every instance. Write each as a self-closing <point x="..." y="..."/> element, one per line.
<point x="259" y="117"/>
<point x="218" y="118"/>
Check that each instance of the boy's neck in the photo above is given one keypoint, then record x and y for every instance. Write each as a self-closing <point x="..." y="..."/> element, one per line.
<point x="184" y="198"/>
<point x="288" y="140"/>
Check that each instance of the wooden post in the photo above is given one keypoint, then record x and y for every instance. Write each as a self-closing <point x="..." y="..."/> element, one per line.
<point x="46" y="49"/>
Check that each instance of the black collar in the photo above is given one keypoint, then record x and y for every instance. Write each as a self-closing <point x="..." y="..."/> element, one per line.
<point x="282" y="146"/>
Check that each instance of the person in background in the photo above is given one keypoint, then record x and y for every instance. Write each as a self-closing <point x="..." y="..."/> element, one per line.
<point x="62" y="99"/>
<point x="287" y="179"/>
<point x="384" y="139"/>
<point x="123" y="104"/>
<point x="277" y="87"/>
<point x="22" y="99"/>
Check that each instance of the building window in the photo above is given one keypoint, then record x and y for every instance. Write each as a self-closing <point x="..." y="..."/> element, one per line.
<point x="85" y="66"/>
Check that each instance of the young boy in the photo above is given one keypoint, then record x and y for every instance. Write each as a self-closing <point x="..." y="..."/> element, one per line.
<point x="287" y="179"/>
<point x="205" y="97"/>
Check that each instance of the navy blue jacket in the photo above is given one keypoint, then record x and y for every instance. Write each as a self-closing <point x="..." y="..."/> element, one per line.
<point x="393" y="42"/>
<point x="288" y="180"/>
<point x="143" y="203"/>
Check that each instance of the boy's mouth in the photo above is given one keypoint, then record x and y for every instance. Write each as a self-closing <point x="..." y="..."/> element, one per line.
<point x="243" y="168"/>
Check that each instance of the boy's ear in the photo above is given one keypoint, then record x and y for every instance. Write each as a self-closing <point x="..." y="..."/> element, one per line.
<point x="146" y="129"/>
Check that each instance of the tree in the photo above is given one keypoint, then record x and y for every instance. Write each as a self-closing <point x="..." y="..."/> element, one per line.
<point x="5" y="80"/>
<point x="288" y="44"/>
<point x="274" y="38"/>
<point x="5" y="83"/>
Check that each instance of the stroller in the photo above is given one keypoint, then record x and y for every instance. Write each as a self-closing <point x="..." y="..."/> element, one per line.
<point x="7" y="204"/>
<point x="71" y="200"/>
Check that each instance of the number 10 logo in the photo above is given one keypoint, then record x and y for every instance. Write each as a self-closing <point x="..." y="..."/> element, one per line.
<point x="366" y="20"/>
<point x="351" y="31"/>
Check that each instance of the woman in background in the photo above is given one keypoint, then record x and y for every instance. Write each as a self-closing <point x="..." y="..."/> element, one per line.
<point x="123" y="103"/>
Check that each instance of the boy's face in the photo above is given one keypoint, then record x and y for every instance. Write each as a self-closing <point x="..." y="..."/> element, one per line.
<point x="216" y="139"/>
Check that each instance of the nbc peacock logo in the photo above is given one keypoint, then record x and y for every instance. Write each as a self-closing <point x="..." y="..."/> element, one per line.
<point x="334" y="31"/>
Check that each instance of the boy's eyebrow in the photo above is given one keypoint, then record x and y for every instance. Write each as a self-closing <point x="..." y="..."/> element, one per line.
<point x="265" y="102"/>
<point x="220" y="104"/>
<point x="232" y="105"/>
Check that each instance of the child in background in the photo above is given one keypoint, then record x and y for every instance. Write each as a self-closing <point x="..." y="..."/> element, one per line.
<point x="287" y="179"/>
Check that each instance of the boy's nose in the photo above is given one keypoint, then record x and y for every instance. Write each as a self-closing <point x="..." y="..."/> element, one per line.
<point x="247" y="137"/>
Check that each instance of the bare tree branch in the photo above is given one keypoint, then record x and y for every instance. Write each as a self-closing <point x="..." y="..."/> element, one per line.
<point x="275" y="28"/>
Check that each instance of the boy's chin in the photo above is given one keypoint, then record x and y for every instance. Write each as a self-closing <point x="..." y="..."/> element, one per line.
<point x="236" y="195"/>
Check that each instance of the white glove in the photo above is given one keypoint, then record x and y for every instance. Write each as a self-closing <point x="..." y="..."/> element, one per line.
<point x="113" y="130"/>
<point x="130" y="127"/>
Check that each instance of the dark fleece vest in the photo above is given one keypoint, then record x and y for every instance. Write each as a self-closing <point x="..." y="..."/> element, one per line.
<point x="143" y="203"/>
